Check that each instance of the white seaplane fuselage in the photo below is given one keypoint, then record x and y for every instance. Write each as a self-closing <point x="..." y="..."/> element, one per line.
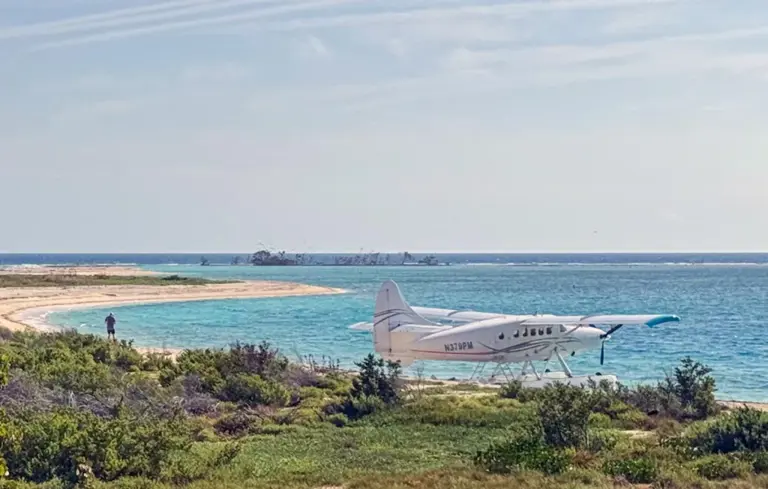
<point x="504" y="339"/>
<point x="406" y="334"/>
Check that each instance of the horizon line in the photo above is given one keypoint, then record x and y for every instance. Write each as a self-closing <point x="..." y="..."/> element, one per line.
<point x="582" y="252"/>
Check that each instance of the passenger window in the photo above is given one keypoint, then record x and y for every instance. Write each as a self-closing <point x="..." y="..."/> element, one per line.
<point x="525" y="332"/>
<point x="549" y="329"/>
<point x="533" y="331"/>
<point x="541" y="331"/>
<point x="501" y="336"/>
<point x="517" y="333"/>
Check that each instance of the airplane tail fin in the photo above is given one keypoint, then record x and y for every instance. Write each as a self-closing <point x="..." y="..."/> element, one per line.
<point x="391" y="312"/>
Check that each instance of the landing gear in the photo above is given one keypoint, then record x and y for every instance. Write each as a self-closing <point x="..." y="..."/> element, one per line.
<point x="504" y="369"/>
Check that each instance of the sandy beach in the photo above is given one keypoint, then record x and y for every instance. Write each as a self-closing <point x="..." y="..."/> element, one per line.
<point x="27" y="307"/>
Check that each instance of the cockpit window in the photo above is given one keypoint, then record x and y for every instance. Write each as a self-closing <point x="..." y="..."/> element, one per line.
<point x="562" y="328"/>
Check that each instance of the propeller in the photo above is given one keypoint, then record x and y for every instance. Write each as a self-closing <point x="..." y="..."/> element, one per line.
<point x="604" y="337"/>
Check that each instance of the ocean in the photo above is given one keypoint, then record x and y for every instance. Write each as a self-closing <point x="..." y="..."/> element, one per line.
<point x="721" y="298"/>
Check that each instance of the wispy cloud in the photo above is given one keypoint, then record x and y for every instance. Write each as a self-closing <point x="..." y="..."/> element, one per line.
<point x="569" y="54"/>
<point x="205" y="21"/>
<point x="636" y="21"/>
<point x="122" y="17"/>
<point x="497" y="10"/>
<point x="97" y="109"/>
<point x="315" y="47"/>
<point x="486" y="71"/>
<point x="216" y="72"/>
<point x="164" y="17"/>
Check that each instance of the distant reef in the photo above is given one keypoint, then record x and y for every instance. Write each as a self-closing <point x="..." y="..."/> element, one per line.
<point x="266" y="258"/>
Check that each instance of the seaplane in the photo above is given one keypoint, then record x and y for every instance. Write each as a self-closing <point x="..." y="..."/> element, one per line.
<point x="404" y="334"/>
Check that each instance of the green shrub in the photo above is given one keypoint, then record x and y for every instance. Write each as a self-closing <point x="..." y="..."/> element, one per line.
<point x="525" y="452"/>
<point x="358" y="407"/>
<point x="632" y="419"/>
<point x="600" y="420"/>
<point x="721" y="467"/>
<point x="47" y="446"/>
<point x="335" y="384"/>
<point x="236" y="424"/>
<point x="306" y="393"/>
<point x="253" y="390"/>
<point x="156" y="362"/>
<point x="645" y="398"/>
<point x="676" y="477"/>
<point x="690" y="391"/>
<point x="377" y="379"/>
<point x="564" y="412"/>
<point x="187" y="467"/>
<point x="514" y="390"/>
<point x="744" y="429"/>
<point x="339" y="420"/>
<point x="760" y="463"/>
<point x="668" y="428"/>
<point x="686" y="394"/>
<point x="602" y="440"/>
<point x="641" y="470"/>
<point x="261" y="359"/>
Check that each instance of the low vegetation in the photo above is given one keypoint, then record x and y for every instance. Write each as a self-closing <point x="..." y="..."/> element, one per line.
<point x="72" y="280"/>
<point x="78" y="411"/>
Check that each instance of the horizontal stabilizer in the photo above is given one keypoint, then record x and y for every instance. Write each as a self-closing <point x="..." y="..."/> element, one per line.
<point x="362" y="326"/>
<point x="649" y="320"/>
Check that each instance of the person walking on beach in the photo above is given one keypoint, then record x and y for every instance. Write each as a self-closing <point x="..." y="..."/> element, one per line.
<point x="110" y="320"/>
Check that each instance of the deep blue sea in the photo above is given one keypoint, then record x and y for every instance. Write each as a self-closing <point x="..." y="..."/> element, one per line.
<point x="722" y="299"/>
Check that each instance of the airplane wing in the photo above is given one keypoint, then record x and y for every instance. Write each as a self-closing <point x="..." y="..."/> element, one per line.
<point x="450" y="317"/>
<point x="453" y="316"/>
<point x="649" y="320"/>
<point x="405" y="328"/>
<point x="458" y="318"/>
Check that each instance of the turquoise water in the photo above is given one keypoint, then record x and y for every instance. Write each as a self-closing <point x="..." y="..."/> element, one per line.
<point x="723" y="310"/>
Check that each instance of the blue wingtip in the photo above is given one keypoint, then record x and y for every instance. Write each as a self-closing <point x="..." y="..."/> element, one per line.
<point x="662" y="319"/>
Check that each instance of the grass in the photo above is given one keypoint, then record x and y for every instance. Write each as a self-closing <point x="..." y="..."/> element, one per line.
<point x="333" y="456"/>
<point x="72" y="280"/>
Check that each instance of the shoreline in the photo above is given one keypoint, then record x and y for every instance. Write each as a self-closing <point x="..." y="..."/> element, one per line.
<point x="25" y="308"/>
<point x="28" y="309"/>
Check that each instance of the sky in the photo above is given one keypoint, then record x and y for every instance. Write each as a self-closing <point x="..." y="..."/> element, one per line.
<point x="340" y="125"/>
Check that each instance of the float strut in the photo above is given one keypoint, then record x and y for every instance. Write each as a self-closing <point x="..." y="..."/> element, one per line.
<point x="564" y="365"/>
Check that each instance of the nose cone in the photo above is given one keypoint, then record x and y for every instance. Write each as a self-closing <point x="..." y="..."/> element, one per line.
<point x="590" y="337"/>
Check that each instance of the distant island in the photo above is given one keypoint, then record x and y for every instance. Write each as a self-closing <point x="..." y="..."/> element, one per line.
<point x="264" y="258"/>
